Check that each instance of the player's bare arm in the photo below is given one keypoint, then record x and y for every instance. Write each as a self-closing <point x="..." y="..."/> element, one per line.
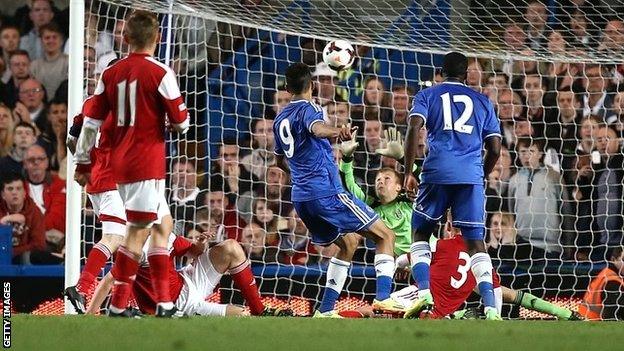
<point x="492" y="152"/>
<point x="322" y="130"/>
<point x="411" y="144"/>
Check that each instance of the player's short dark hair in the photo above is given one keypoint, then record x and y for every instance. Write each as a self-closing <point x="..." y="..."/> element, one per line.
<point x="528" y="142"/>
<point x="8" y="178"/>
<point x="410" y="90"/>
<point x="455" y="65"/>
<point x="51" y="27"/>
<point x="19" y="52"/>
<point x="23" y="124"/>
<point x="141" y="28"/>
<point x="298" y="78"/>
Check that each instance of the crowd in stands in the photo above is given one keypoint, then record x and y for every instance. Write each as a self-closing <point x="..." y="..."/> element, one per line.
<point x="556" y="192"/>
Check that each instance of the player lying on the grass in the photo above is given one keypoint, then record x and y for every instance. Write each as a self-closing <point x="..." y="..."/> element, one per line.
<point x="328" y="211"/>
<point x="107" y="205"/>
<point x="192" y="284"/>
<point x="452" y="282"/>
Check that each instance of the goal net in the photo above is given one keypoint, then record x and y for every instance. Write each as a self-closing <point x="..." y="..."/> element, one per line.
<point x="553" y="70"/>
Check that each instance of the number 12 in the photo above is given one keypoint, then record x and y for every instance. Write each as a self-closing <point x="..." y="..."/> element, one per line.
<point x="459" y="125"/>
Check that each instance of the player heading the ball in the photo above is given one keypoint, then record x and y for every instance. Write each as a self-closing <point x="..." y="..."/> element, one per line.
<point x="140" y="94"/>
<point x="327" y="210"/>
<point x="459" y="122"/>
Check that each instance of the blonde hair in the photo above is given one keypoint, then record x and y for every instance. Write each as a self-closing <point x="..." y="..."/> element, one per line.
<point x="6" y="135"/>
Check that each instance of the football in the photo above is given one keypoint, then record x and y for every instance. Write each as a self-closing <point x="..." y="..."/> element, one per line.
<point x="338" y="54"/>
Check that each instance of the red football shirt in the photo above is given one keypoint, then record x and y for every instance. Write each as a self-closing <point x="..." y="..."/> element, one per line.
<point x="101" y="169"/>
<point x="451" y="280"/>
<point x="138" y="93"/>
<point x="142" y="287"/>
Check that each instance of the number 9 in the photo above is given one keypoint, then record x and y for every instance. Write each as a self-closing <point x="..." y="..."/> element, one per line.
<point x="287" y="138"/>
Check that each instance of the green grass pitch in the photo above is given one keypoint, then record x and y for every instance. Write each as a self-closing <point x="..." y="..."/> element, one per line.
<point x="300" y="334"/>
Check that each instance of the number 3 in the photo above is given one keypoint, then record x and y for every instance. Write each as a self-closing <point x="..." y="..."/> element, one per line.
<point x="462" y="270"/>
<point x="460" y="125"/>
<point x="287" y="138"/>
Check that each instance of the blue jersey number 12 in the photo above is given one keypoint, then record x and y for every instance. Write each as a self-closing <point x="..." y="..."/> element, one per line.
<point x="459" y="125"/>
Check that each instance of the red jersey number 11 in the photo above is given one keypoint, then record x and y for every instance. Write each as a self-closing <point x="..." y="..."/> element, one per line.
<point x="121" y="103"/>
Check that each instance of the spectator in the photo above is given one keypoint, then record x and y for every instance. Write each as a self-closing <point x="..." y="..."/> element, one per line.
<point x="9" y="42"/>
<point x="608" y="183"/>
<point x="366" y="161"/>
<point x="514" y="37"/>
<point x="613" y="37"/>
<point x="338" y="113"/>
<point x="253" y="241"/>
<point x="268" y="221"/>
<point x="596" y="101"/>
<point x="19" y="64"/>
<point x="184" y="192"/>
<point x="281" y="98"/>
<point x="229" y="173"/>
<point x="6" y="130"/>
<point x="604" y="299"/>
<point x="52" y="68"/>
<point x="120" y="47"/>
<point x="535" y="196"/>
<point x="557" y="44"/>
<point x="535" y="16"/>
<point x="23" y="137"/>
<point x="578" y="27"/>
<point x="535" y="92"/>
<point x="617" y="114"/>
<point x="53" y="138"/>
<point x="401" y="103"/>
<point x="509" y="108"/>
<point x="296" y="243"/>
<point x="589" y="125"/>
<point x="474" y="74"/>
<point x="261" y="155"/>
<point x="45" y="188"/>
<point x="375" y="99"/>
<point x="33" y="97"/>
<point x="224" y="213"/>
<point x="561" y="131"/>
<point x="276" y="191"/>
<point x="502" y="236"/>
<point x="579" y="187"/>
<point x="41" y="14"/>
<point x="325" y="88"/>
<point x="19" y="211"/>
<point x="495" y="83"/>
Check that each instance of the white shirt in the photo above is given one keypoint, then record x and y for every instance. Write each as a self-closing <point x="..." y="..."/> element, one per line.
<point x="35" y="191"/>
<point x="183" y="201"/>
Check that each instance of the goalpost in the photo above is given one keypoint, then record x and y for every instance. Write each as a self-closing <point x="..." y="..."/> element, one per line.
<point x="230" y="57"/>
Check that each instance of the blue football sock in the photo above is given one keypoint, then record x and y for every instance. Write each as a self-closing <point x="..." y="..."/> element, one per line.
<point x="330" y="296"/>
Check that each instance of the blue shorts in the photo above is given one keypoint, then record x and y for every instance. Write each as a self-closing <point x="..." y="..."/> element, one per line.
<point x="467" y="203"/>
<point x="330" y="217"/>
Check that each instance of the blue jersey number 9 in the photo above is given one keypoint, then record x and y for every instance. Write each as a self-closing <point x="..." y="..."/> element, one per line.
<point x="287" y="138"/>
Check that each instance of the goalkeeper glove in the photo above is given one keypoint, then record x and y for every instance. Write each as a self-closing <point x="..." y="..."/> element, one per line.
<point x="394" y="144"/>
<point x="348" y="147"/>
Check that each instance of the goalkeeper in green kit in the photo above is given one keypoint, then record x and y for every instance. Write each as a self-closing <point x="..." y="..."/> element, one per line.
<point x="395" y="209"/>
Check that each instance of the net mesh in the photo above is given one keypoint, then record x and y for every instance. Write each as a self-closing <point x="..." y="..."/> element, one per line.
<point x="551" y="219"/>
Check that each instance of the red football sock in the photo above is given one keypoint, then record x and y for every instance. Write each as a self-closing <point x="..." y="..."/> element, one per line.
<point x="124" y="270"/>
<point x="158" y="259"/>
<point x="244" y="280"/>
<point x="98" y="256"/>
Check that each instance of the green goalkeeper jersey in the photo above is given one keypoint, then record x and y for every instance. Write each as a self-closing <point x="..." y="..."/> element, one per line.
<point x="397" y="215"/>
